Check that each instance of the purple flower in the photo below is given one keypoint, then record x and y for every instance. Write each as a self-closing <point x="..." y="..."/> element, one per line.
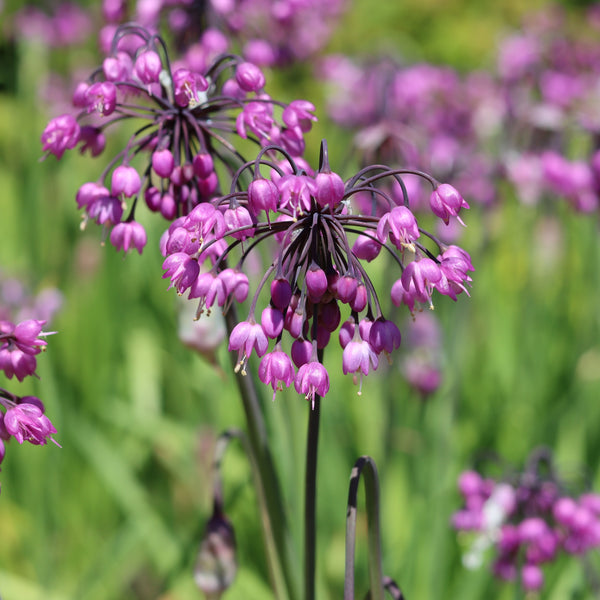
<point x="249" y="77"/>
<point x="530" y="520"/>
<point x="182" y="270"/>
<point x="166" y="109"/>
<point x="246" y="337"/>
<point x="128" y="234"/>
<point x="312" y="378"/>
<point x="276" y="369"/>
<point x="27" y="423"/>
<point x="299" y="115"/>
<point x="400" y="226"/>
<point x="423" y="274"/>
<point x="446" y="202"/>
<point x="148" y="67"/>
<point x="359" y="357"/>
<point x="101" y="97"/>
<point x="125" y="180"/>
<point x="62" y="133"/>
<point x="315" y="273"/>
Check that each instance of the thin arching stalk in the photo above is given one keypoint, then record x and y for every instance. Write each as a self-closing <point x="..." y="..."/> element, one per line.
<point x="371" y="485"/>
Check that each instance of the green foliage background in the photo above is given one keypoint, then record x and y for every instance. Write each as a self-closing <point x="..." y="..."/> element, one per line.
<point x="119" y="510"/>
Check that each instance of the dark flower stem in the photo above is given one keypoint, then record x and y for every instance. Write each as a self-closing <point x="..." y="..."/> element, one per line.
<point x="274" y="519"/>
<point x="310" y="499"/>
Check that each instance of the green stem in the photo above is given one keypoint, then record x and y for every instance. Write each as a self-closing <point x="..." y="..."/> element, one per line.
<point x="371" y="486"/>
<point x="310" y="499"/>
<point x="276" y="532"/>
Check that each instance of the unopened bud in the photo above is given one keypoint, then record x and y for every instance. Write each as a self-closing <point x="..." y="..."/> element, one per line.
<point x="216" y="565"/>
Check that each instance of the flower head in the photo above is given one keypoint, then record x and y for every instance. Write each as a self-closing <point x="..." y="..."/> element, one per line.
<point x="181" y="119"/>
<point x="529" y="520"/>
<point x="314" y="275"/>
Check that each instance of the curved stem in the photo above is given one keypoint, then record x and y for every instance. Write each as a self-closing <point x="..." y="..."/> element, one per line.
<point x="310" y="499"/>
<point x="392" y="588"/>
<point x="274" y="519"/>
<point x="374" y="537"/>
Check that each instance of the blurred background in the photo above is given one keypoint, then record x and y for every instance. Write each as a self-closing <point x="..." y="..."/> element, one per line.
<point x="119" y="510"/>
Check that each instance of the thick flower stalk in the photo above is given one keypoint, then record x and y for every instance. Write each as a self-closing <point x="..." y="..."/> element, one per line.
<point x="528" y="520"/>
<point x="320" y="245"/>
<point x="182" y="118"/>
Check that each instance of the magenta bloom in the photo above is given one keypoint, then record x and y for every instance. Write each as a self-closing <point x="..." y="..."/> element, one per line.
<point x="127" y="235"/>
<point x="400" y="225"/>
<point x="208" y="288"/>
<point x="246" y="337"/>
<point x="276" y="369"/>
<point x="256" y="118"/>
<point x="182" y="270"/>
<point x="17" y="363"/>
<point x="92" y="139"/>
<point x="329" y="189"/>
<point x="163" y="162"/>
<point x="101" y="97"/>
<point x="105" y="210"/>
<point x="298" y="115"/>
<point x="384" y="336"/>
<point x="18" y="347"/>
<point x="359" y="357"/>
<point x="314" y="273"/>
<point x="312" y="378"/>
<point x="423" y="274"/>
<point x="249" y="77"/>
<point x="62" y="133"/>
<point x="27" y="423"/>
<point x="148" y="67"/>
<point x="125" y="180"/>
<point x="263" y="195"/>
<point x="446" y="202"/>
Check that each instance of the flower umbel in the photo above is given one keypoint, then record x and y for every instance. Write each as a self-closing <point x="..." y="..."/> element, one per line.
<point x="184" y="118"/>
<point x="312" y="222"/>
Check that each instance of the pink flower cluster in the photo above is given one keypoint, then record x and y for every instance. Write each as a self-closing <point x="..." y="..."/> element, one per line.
<point x="320" y="244"/>
<point x="548" y="77"/>
<point x="279" y="32"/>
<point x="184" y="113"/>
<point x="67" y="24"/>
<point x="532" y="121"/>
<point x="24" y="417"/>
<point x="528" y="522"/>
<point x="422" y="116"/>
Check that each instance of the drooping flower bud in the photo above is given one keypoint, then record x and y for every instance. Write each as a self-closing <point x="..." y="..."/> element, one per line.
<point x="329" y="189"/>
<point x="216" y="565"/>
<point x="163" y="162"/>
<point x="249" y="77"/>
<point x="125" y="180"/>
<point x="148" y="67"/>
